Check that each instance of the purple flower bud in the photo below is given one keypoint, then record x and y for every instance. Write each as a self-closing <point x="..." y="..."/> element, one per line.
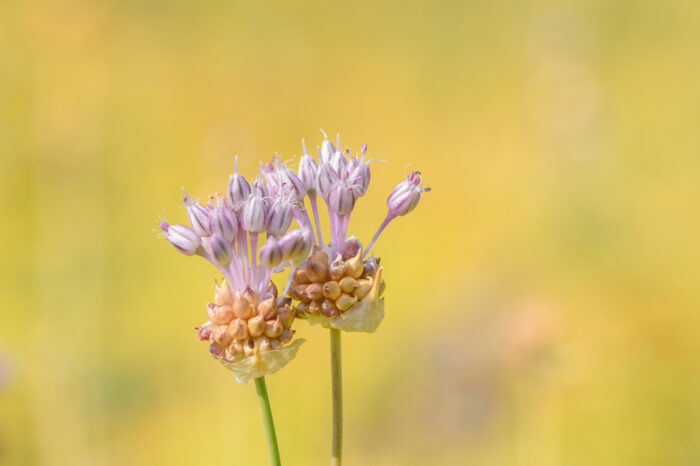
<point x="254" y="214"/>
<point x="271" y="253"/>
<point x="360" y="178"/>
<point x="339" y="163"/>
<point x="220" y="249"/>
<point x="198" y="215"/>
<point x="272" y="178"/>
<point x="405" y="196"/>
<point x="182" y="237"/>
<point x="325" y="180"/>
<point x="259" y="187"/>
<point x="308" y="169"/>
<point x="327" y="150"/>
<point x="238" y="188"/>
<point x="293" y="185"/>
<point x="296" y="244"/>
<point x="224" y="222"/>
<point x="341" y="199"/>
<point x="279" y="217"/>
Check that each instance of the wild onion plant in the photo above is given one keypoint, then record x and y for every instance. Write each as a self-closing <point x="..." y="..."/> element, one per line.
<point x="335" y="284"/>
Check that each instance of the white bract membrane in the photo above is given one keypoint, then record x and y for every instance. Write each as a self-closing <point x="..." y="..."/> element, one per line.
<point x="262" y="363"/>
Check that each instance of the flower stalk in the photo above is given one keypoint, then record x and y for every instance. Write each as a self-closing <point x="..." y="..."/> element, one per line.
<point x="268" y="422"/>
<point x="337" y="396"/>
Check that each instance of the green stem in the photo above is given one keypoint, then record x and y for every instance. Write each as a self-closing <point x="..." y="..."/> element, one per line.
<point x="268" y="423"/>
<point x="337" y="390"/>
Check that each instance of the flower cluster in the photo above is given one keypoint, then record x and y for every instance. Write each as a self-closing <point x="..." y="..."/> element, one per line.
<point x="336" y="284"/>
<point x="249" y="325"/>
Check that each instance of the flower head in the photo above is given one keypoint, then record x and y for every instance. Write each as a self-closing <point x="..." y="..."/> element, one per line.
<point x="338" y="286"/>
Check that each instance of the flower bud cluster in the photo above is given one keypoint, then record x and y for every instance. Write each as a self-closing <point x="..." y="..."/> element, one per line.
<point x="241" y="324"/>
<point x="331" y="288"/>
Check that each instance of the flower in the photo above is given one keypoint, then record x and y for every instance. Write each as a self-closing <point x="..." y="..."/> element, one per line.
<point x="249" y="326"/>
<point x="338" y="286"/>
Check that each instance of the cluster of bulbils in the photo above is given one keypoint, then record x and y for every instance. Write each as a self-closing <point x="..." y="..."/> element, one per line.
<point x="334" y="284"/>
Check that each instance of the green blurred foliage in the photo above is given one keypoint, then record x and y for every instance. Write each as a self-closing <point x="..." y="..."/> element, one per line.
<point x="541" y="301"/>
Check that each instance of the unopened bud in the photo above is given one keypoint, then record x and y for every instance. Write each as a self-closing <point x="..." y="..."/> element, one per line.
<point x="224" y="222"/>
<point x="293" y="184"/>
<point x="198" y="215"/>
<point x="405" y="196"/>
<point x="341" y="199"/>
<point x="308" y="170"/>
<point x="325" y="180"/>
<point x="275" y="344"/>
<point x="271" y="253"/>
<point x="238" y="189"/>
<point x="254" y="214"/>
<point x="360" y="178"/>
<point x="183" y="238"/>
<point x="296" y="244"/>
<point x="220" y="249"/>
<point x="279" y="217"/>
<point x="327" y="149"/>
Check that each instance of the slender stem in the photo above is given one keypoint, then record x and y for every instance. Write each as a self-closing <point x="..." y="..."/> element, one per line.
<point x="386" y="221"/>
<point x="337" y="390"/>
<point x="314" y="208"/>
<point x="268" y="423"/>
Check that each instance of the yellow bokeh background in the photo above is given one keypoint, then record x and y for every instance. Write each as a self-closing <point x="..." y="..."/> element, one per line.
<point x="541" y="301"/>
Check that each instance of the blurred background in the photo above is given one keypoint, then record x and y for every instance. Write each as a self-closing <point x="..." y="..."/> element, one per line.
<point x="541" y="301"/>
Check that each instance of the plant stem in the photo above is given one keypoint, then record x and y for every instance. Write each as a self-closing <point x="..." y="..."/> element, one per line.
<point x="268" y="423"/>
<point x="337" y="390"/>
